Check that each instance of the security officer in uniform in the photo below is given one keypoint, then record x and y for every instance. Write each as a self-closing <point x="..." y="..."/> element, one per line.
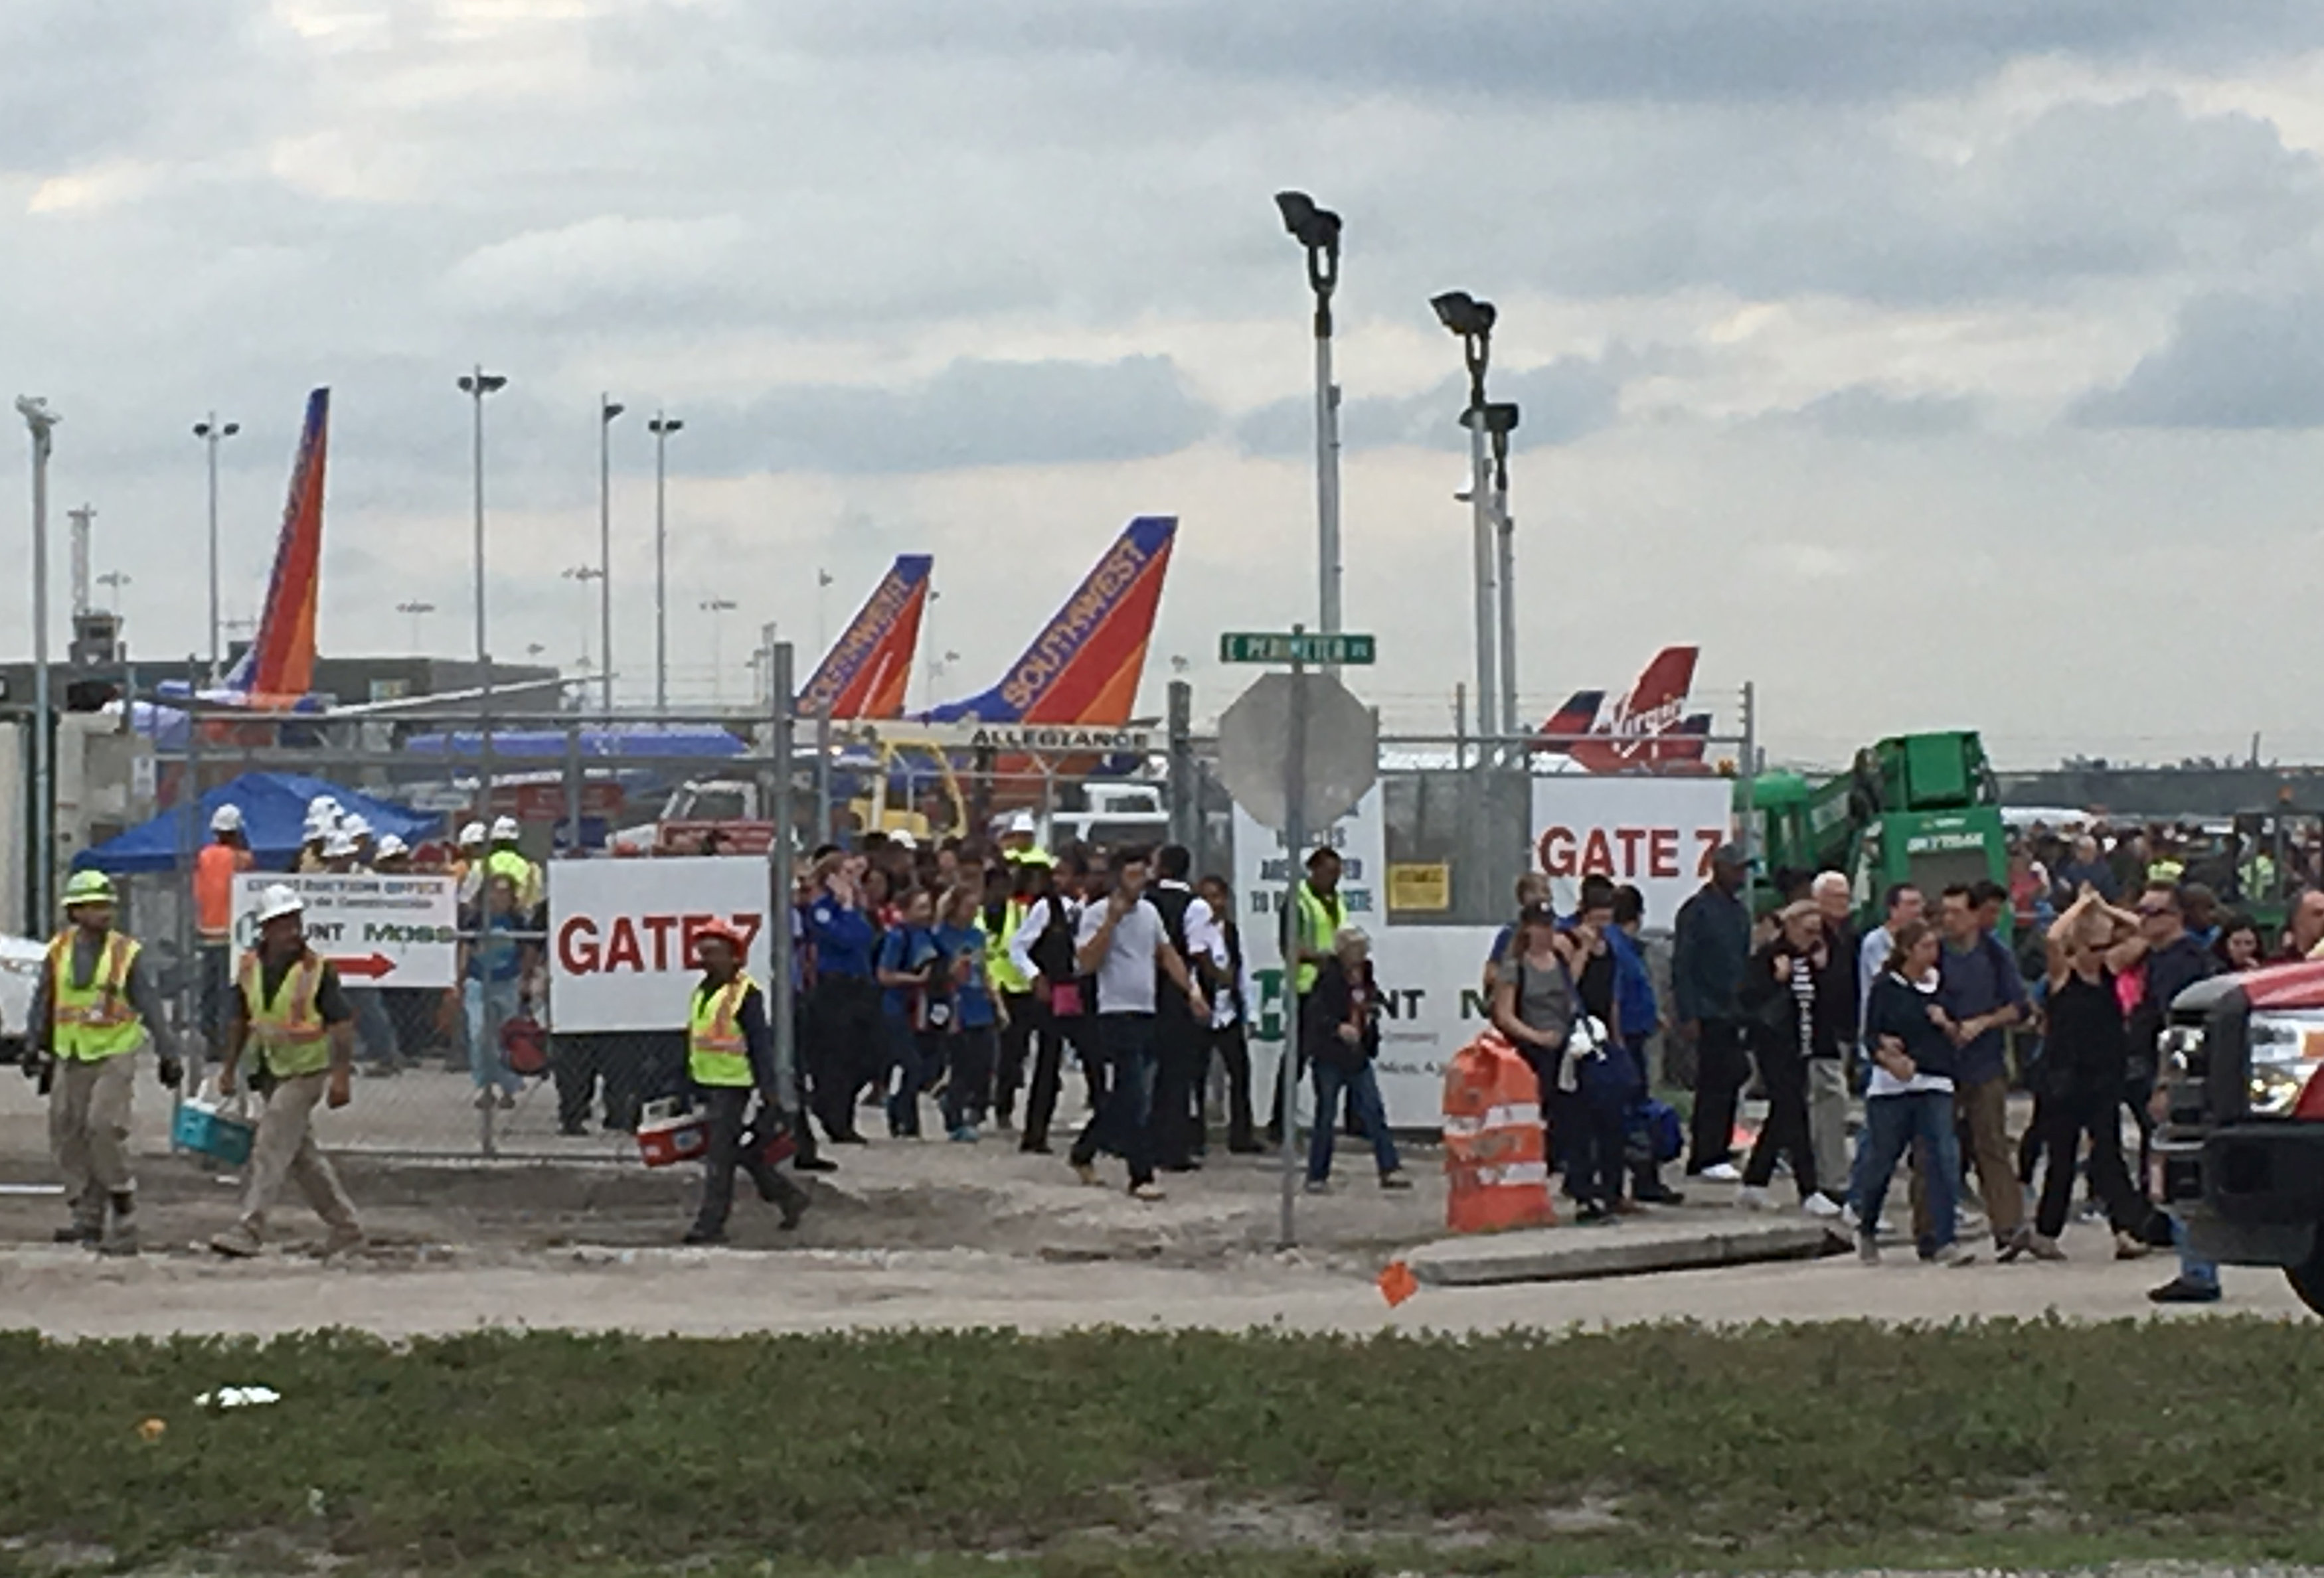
<point x="94" y="1007"/>
<point x="730" y="1053"/>
<point x="291" y="1006"/>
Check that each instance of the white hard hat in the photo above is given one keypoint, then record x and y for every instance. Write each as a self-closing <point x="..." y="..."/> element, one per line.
<point x="281" y="898"/>
<point x="341" y="842"/>
<point x="504" y="828"/>
<point x="902" y="839"/>
<point x="1022" y="822"/>
<point x="226" y="819"/>
<point x="390" y="847"/>
<point x="472" y="834"/>
<point x="323" y="806"/>
<point x="355" y="827"/>
<point x="317" y="827"/>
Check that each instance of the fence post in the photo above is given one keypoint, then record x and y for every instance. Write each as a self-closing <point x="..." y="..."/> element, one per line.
<point x="825" y="830"/>
<point x="779" y="907"/>
<point x="191" y="950"/>
<point x="1184" y="811"/>
<point x="573" y="787"/>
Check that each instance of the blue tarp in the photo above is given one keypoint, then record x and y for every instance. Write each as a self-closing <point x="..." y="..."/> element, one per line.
<point x="273" y="818"/>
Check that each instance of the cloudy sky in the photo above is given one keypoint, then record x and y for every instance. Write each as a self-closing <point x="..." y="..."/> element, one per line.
<point x="1932" y="362"/>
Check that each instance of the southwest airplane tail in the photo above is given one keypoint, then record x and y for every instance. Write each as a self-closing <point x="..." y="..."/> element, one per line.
<point x="1085" y="665"/>
<point x="277" y="671"/>
<point x="864" y="674"/>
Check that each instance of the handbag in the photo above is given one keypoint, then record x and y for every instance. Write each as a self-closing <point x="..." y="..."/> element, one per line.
<point x="1066" y="1000"/>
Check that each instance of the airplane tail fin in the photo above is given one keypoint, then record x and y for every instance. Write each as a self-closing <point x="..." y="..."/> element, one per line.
<point x="1663" y="689"/>
<point x="1085" y="664"/>
<point x="1638" y="733"/>
<point x="1689" y="741"/>
<point x="280" y="659"/>
<point x="1578" y="715"/>
<point x="864" y="674"/>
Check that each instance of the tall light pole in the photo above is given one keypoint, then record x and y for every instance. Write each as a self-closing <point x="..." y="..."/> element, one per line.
<point x="581" y="575"/>
<point x="417" y="611"/>
<point x="717" y="608"/>
<point x="1318" y="230"/>
<point x="822" y="615"/>
<point x="212" y="433"/>
<point x="1500" y="422"/>
<point x="42" y="421"/>
<point x="661" y="427"/>
<point x="114" y="580"/>
<point x="1473" y="320"/>
<point x="475" y="385"/>
<point x="608" y="409"/>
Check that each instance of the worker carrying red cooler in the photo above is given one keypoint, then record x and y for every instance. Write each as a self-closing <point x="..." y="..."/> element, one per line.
<point x="290" y="1006"/>
<point x="93" y="1008"/>
<point x="730" y="1056"/>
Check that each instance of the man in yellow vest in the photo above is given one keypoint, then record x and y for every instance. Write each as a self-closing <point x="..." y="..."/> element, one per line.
<point x="506" y="860"/>
<point x="730" y="1053"/>
<point x="1009" y="892"/>
<point x="1309" y="932"/>
<point x="288" y="1005"/>
<point x="93" y="1008"/>
<point x="1020" y="842"/>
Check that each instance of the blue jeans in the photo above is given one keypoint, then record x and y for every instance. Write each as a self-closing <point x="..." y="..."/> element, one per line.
<point x="1362" y="1086"/>
<point x="2193" y="1268"/>
<point x="913" y="1059"/>
<point x="490" y="1004"/>
<point x="1123" y="1045"/>
<point x="1921" y="1121"/>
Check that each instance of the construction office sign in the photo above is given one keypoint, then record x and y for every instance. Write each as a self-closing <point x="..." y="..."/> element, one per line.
<point x="378" y="930"/>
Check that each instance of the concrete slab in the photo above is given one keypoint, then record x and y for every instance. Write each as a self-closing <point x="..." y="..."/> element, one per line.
<point x="1629" y="1249"/>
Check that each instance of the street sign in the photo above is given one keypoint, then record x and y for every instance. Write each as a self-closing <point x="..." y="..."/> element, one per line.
<point x="1340" y="762"/>
<point x="379" y="930"/>
<point x="1308" y="647"/>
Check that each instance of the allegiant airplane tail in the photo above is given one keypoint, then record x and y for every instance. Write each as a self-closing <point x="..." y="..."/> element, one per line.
<point x="864" y="674"/>
<point x="278" y="669"/>
<point x="1085" y="665"/>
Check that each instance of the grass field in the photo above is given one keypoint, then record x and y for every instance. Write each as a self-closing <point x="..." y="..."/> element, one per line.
<point x="1143" y="1454"/>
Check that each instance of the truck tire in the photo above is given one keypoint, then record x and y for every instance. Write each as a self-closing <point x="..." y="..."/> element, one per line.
<point x="2307" y="1279"/>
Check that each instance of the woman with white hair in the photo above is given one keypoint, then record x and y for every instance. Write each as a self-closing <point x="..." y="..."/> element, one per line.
<point x="1339" y="1031"/>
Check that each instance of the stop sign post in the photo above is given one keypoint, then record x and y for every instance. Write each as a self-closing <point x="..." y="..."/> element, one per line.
<point x="1295" y="750"/>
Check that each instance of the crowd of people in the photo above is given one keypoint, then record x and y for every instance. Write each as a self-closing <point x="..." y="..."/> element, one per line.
<point x="1919" y="1015"/>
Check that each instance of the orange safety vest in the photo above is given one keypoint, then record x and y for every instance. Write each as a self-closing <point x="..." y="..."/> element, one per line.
<point x="1496" y="1150"/>
<point x="214" y="873"/>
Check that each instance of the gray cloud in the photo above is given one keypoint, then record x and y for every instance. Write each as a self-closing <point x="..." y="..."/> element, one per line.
<point x="2233" y="361"/>
<point x="1559" y="403"/>
<point x="1593" y="50"/>
<point x="973" y="412"/>
<point x="1864" y="410"/>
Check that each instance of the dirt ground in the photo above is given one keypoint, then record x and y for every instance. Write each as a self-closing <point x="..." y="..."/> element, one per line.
<point x="926" y="1232"/>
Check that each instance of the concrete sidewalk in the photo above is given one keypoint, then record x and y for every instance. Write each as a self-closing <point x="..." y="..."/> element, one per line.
<point x="1634" y="1247"/>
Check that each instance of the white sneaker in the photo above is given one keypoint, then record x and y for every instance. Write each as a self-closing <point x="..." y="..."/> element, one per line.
<point x="1849" y="1219"/>
<point x="1751" y="1197"/>
<point x="1822" y="1207"/>
<point x="1725" y="1172"/>
<point x="1955" y="1255"/>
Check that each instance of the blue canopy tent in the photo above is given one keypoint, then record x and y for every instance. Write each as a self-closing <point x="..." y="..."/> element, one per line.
<point x="273" y="818"/>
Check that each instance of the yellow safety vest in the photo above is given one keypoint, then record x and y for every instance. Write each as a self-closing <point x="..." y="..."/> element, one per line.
<point x="997" y="964"/>
<point x="292" y="1038"/>
<point x="509" y="864"/>
<point x="1319" y="928"/>
<point x="716" y="1052"/>
<point x="1034" y="856"/>
<point x="92" y="1021"/>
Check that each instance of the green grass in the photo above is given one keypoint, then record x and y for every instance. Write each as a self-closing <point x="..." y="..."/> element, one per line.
<point x="1761" y="1447"/>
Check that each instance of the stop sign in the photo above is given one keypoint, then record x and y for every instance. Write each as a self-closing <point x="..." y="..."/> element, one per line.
<point x="1341" y="761"/>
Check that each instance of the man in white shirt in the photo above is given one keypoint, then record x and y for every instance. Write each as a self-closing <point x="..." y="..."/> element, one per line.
<point x="1904" y="903"/>
<point x="1124" y="945"/>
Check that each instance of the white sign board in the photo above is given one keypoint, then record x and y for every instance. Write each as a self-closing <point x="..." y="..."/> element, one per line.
<point x="1654" y="832"/>
<point x="621" y="936"/>
<point x="379" y="930"/>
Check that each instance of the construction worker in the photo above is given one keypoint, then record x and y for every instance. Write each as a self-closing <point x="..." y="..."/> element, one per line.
<point x="357" y="828"/>
<point x="340" y="850"/>
<point x="468" y="862"/>
<point x="1019" y="841"/>
<point x="1009" y="896"/>
<point x="506" y="860"/>
<point x="393" y="858"/>
<point x="730" y="1053"/>
<point x="322" y="819"/>
<point x="290" y="1005"/>
<point x="1309" y="930"/>
<point x="225" y="856"/>
<point x="93" y="1008"/>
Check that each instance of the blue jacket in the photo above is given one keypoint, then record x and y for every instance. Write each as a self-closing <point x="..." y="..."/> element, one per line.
<point x="1708" y="953"/>
<point x="844" y="937"/>
<point x="1634" y="989"/>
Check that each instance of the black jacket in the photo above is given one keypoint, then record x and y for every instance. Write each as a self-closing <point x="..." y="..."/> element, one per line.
<point x="1325" y="1010"/>
<point x="1773" y="1011"/>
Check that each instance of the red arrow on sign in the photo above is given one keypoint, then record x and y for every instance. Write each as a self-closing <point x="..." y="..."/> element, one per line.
<point x="372" y="968"/>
